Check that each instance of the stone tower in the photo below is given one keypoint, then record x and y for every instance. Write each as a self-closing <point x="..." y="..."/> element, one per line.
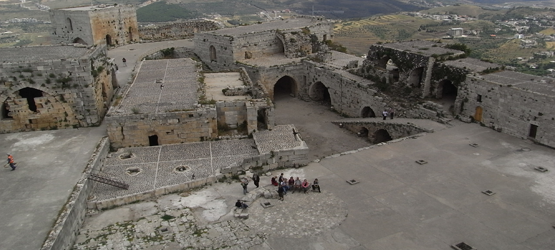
<point x="91" y="25"/>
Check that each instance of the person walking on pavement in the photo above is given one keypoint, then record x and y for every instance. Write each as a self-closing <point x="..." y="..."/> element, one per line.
<point x="256" y="179"/>
<point x="11" y="162"/>
<point x="384" y="115"/>
<point x="245" y="183"/>
<point x="124" y="62"/>
<point x="391" y="113"/>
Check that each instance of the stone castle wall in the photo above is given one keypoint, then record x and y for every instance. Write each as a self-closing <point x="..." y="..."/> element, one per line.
<point x="214" y="50"/>
<point x="66" y="93"/>
<point x="509" y="109"/>
<point x="172" y="127"/>
<point x="179" y="30"/>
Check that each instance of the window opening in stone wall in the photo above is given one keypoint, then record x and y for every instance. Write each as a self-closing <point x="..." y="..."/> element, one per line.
<point x="153" y="140"/>
<point x="367" y="112"/>
<point x="479" y="98"/>
<point x="6" y="111"/>
<point x="533" y="131"/>
<point x="213" y="57"/>
<point x="108" y="40"/>
<point x="130" y="34"/>
<point x="79" y="40"/>
<point x="318" y="92"/>
<point x="30" y="94"/>
<point x="381" y="135"/>
<point x="69" y="24"/>
<point x="415" y="77"/>
<point x="285" y="87"/>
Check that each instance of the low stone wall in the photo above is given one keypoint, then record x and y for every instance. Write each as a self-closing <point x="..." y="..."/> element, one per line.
<point x="110" y="203"/>
<point x="275" y="159"/>
<point x="395" y="130"/>
<point x="64" y="232"/>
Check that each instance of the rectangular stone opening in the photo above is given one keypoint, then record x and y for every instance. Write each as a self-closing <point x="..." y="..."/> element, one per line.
<point x="462" y="246"/>
<point x="488" y="192"/>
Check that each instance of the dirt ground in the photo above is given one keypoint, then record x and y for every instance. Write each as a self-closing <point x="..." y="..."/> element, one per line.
<point x="313" y="121"/>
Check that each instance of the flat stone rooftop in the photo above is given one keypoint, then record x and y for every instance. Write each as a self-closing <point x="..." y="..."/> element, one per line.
<point x="40" y="53"/>
<point x="281" y="137"/>
<point x="526" y="82"/>
<point x="421" y="47"/>
<point x="162" y="86"/>
<point x="287" y="24"/>
<point x="89" y="8"/>
<point x="472" y="64"/>
<point x="216" y="82"/>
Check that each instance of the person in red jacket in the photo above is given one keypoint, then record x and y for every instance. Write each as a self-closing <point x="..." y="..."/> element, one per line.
<point x="11" y="162"/>
<point x="305" y="185"/>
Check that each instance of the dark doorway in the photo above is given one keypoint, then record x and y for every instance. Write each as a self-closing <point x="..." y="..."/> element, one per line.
<point x="153" y="140"/>
<point x="108" y="40"/>
<point x="262" y="119"/>
<point x="381" y="136"/>
<point x="319" y="92"/>
<point x="447" y="92"/>
<point x="367" y="112"/>
<point x="285" y="87"/>
<point x="415" y="77"/>
<point x="393" y="75"/>
<point x="30" y="94"/>
<point x="6" y="111"/>
<point x="533" y="131"/>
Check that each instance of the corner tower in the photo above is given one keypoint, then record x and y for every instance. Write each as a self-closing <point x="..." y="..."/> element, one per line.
<point x="112" y="25"/>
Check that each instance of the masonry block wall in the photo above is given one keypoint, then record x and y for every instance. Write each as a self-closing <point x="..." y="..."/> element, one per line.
<point x="176" y="30"/>
<point x="53" y="93"/>
<point x="91" y="25"/>
<point x="511" y="109"/>
<point x="174" y="127"/>
<point x="215" y="50"/>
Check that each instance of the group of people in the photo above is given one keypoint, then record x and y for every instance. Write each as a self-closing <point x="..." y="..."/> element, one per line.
<point x="284" y="185"/>
<point x="387" y="113"/>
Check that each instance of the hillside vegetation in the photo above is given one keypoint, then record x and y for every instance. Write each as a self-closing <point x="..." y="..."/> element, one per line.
<point x="162" y="12"/>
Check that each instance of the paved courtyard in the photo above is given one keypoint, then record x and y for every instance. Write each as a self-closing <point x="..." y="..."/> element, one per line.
<point x="397" y="203"/>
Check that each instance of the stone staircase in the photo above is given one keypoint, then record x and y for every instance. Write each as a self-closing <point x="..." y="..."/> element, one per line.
<point x="108" y="181"/>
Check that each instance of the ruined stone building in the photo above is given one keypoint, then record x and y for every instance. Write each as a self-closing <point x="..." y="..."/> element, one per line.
<point x="90" y="25"/>
<point x="173" y="101"/>
<point x="292" y="38"/>
<point x="49" y="87"/>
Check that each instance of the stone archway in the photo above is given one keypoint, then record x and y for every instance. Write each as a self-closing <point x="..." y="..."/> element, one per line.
<point x="382" y="63"/>
<point x="367" y="112"/>
<point x="381" y="135"/>
<point x="318" y="92"/>
<point x="108" y="40"/>
<point x="285" y="87"/>
<point x="213" y="57"/>
<point x="79" y="40"/>
<point x="30" y="94"/>
<point x="447" y="93"/>
<point x="415" y="77"/>
<point x="363" y="132"/>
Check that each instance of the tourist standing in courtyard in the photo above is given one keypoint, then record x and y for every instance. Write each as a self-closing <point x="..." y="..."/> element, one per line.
<point x="124" y="62"/>
<point x="391" y="113"/>
<point x="244" y="184"/>
<point x="281" y="191"/>
<point x="256" y="179"/>
<point x="384" y="115"/>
